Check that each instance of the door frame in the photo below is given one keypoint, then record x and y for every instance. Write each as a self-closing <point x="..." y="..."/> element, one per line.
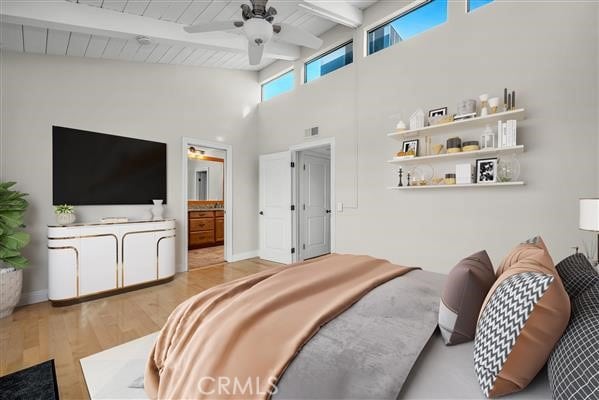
<point x="295" y="149"/>
<point x="228" y="197"/>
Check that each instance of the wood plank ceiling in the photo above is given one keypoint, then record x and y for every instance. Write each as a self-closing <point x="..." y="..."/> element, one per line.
<point x="30" y="39"/>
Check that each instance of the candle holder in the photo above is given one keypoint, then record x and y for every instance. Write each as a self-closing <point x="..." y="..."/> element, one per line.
<point x="494" y="103"/>
<point x="484" y="98"/>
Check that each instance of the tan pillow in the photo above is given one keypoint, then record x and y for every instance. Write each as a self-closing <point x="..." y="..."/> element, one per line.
<point x="522" y="318"/>
<point x="463" y="294"/>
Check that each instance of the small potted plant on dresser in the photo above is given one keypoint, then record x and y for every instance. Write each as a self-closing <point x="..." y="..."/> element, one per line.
<point x="12" y="240"/>
<point x="65" y="214"/>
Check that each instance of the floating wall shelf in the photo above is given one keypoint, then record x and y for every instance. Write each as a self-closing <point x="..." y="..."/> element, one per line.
<point x="518" y="114"/>
<point x="464" y="154"/>
<point x="469" y="185"/>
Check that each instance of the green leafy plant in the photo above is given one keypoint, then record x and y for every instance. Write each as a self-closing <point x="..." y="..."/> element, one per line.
<point x="64" y="209"/>
<point x="12" y="239"/>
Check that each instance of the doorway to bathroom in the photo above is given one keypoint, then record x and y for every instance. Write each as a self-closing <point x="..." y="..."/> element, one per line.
<point x="206" y="171"/>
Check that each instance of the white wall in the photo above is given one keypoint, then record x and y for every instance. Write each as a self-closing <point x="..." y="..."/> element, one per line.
<point x="547" y="53"/>
<point x="155" y="102"/>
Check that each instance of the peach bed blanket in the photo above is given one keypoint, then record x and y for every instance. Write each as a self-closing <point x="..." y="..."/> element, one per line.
<point x="236" y="339"/>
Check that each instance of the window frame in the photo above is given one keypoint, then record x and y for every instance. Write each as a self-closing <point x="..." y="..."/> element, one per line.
<point x="469" y="11"/>
<point x="389" y="19"/>
<point x="326" y="51"/>
<point x="275" y="77"/>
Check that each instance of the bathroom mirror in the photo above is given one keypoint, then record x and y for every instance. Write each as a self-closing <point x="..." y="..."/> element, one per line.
<point x="205" y="178"/>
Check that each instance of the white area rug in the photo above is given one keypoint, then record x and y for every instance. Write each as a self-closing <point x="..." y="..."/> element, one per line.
<point x="111" y="373"/>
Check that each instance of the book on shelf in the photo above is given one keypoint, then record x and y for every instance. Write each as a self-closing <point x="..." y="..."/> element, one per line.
<point x="507" y="133"/>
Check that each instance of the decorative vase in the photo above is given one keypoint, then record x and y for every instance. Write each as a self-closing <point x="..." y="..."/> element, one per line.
<point x="157" y="209"/>
<point x="65" y="219"/>
<point x="11" y="281"/>
<point x="508" y="169"/>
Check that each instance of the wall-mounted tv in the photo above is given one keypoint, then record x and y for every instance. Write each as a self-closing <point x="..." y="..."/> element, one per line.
<point x="91" y="168"/>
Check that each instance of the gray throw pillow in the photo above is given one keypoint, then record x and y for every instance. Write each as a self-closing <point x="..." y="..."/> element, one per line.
<point x="573" y="366"/>
<point x="463" y="295"/>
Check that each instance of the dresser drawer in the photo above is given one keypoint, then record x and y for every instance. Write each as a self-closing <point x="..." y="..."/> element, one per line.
<point x="201" y="214"/>
<point x="201" y="224"/>
<point x="196" y="238"/>
<point x="219" y="213"/>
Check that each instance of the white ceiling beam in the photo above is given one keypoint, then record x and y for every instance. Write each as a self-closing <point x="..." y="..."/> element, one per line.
<point x="338" y="11"/>
<point x="67" y="16"/>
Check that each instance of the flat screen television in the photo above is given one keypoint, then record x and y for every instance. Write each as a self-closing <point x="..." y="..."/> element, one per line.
<point x="91" y="168"/>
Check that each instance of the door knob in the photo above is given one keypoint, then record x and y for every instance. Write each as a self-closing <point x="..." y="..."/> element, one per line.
<point x="328" y="211"/>
<point x="261" y="213"/>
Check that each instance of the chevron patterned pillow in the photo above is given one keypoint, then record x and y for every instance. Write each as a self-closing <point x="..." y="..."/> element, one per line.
<point x="573" y="366"/>
<point x="523" y="316"/>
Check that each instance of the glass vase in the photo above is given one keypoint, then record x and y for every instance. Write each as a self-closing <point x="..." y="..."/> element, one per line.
<point x="508" y="169"/>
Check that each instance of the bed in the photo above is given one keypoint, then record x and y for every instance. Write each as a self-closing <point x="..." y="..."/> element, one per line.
<point x="447" y="372"/>
<point x="383" y="344"/>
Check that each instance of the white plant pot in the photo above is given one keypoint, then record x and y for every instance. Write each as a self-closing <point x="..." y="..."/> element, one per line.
<point x="157" y="209"/>
<point x="65" y="219"/>
<point x="11" y="281"/>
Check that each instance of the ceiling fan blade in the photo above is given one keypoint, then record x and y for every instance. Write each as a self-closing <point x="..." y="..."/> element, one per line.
<point x="294" y="35"/>
<point x="213" y="26"/>
<point x="255" y="53"/>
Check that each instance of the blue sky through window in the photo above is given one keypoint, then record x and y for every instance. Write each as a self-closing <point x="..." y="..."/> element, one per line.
<point x="421" y="19"/>
<point x="277" y="86"/>
<point x="408" y="25"/>
<point x="329" y="62"/>
<point x="474" y="4"/>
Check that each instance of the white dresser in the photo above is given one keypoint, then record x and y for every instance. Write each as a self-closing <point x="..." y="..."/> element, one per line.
<point x="89" y="260"/>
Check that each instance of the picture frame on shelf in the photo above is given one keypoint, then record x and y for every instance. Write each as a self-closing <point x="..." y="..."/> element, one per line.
<point x="437" y="112"/>
<point x="410" y="145"/>
<point x="486" y="170"/>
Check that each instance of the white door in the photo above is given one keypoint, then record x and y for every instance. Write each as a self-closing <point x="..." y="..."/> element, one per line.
<point x="275" y="207"/>
<point x="315" y="206"/>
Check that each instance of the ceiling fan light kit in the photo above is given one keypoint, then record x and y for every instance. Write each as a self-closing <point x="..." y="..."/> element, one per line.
<point x="259" y="29"/>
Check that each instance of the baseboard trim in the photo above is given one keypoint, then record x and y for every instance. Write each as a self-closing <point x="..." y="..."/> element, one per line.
<point x="38" y="296"/>
<point x="244" y="256"/>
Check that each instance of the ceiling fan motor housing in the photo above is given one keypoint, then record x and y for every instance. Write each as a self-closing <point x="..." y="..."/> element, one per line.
<point x="258" y="31"/>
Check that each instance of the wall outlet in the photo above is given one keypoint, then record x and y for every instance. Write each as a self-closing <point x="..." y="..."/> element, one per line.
<point x="340" y="207"/>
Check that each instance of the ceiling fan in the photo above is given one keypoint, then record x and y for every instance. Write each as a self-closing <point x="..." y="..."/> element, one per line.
<point x="258" y="27"/>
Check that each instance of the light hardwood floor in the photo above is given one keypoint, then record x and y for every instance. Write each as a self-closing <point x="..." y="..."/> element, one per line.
<point x="40" y="332"/>
<point x="199" y="258"/>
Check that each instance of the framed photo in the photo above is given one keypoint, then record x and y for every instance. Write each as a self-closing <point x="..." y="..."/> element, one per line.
<point x="486" y="170"/>
<point x="437" y="112"/>
<point x="410" y="145"/>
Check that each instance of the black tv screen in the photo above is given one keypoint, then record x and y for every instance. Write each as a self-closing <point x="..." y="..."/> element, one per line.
<point x="91" y="168"/>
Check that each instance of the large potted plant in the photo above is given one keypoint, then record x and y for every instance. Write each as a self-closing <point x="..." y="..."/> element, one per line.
<point x="12" y="241"/>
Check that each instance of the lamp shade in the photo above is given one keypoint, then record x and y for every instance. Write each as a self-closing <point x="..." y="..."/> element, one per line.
<point x="589" y="215"/>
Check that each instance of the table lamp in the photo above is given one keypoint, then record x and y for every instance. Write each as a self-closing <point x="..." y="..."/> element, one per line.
<point x="589" y="217"/>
